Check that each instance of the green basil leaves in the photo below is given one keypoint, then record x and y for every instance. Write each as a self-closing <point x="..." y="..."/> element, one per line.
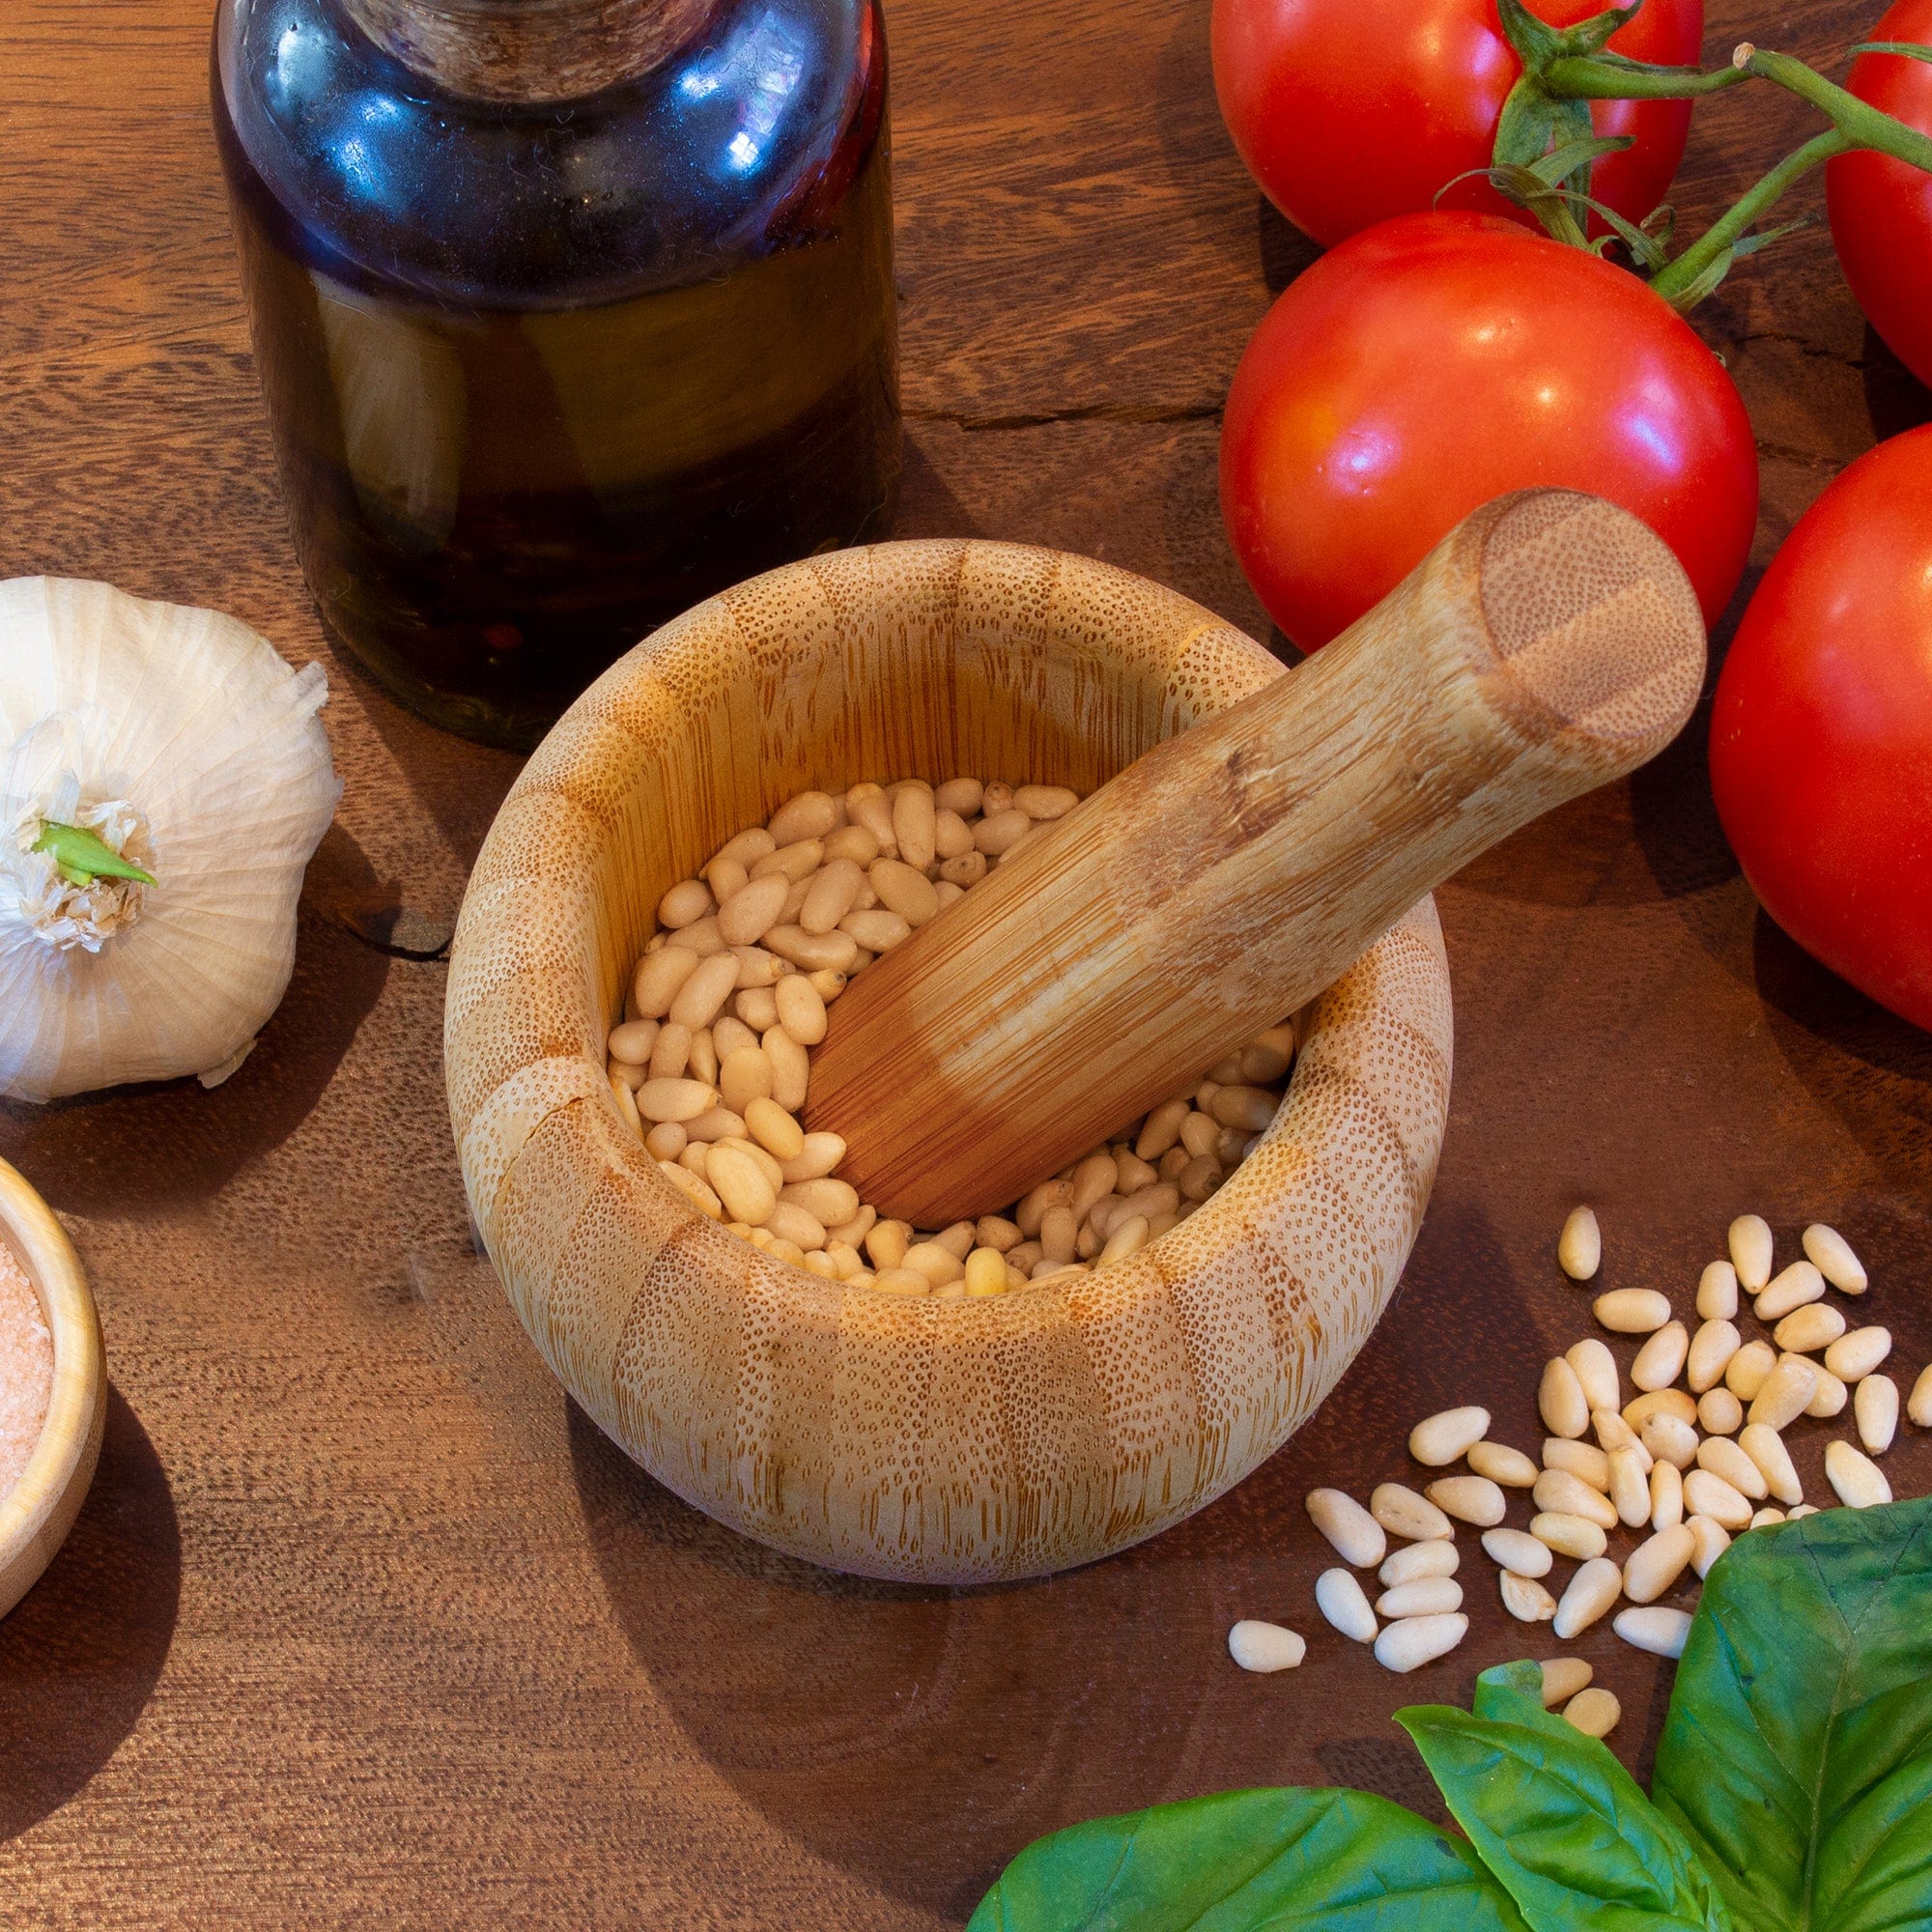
<point x="1792" y="1790"/>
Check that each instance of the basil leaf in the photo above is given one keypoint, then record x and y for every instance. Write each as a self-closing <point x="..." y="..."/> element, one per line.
<point x="1556" y="1818"/>
<point x="1798" y="1752"/>
<point x="1251" y="1861"/>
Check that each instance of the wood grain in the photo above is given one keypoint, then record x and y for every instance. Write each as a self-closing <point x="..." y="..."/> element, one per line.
<point x="1547" y="644"/>
<point x="363" y="1623"/>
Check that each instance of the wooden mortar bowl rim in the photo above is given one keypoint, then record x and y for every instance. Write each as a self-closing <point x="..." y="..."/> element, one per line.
<point x="37" y="1514"/>
<point x="843" y="1425"/>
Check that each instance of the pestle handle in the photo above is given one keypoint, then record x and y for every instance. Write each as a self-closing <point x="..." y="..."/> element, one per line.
<point x="1549" y="643"/>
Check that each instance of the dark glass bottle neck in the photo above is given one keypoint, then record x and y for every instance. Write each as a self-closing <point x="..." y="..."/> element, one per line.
<point x="531" y="51"/>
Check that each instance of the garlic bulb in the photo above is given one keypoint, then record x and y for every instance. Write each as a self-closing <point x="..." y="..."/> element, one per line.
<point x="163" y="782"/>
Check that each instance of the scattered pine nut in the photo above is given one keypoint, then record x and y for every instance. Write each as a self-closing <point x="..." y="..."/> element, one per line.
<point x="1595" y="1373"/>
<point x="1784" y="1393"/>
<point x="1669" y="1438"/>
<point x="1265" y="1647"/>
<point x="1749" y="1243"/>
<point x="1662" y="1631"/>
<point x="1708" y="1494"/>
<point x="1580" y="1248"/>
<point x="1717" y="1292"/>
<point x="1339" y="1598"/>
<point x="1472" y="1499"/>
<point x="1875" y="1410"/>
<point x="1501" y="1464"/>
<point x="1766" y="1449"/>
<point x="1666" y="1496"/>
<point x="1731" y="1461"/>
<point x="1659" y="1401"/>
<point x="1831" y="1395"/>
<point x="1594" y="1712"/>
<point x="1425" y="1597"/>
<point x="1592" y="1590"/>
<point x="1709" y="1542"/>
<point x="1525" y="1599"/>
<point x="1661" y="1359"/>
<point x="1793" y="1288"/>
<point x="1807" y="1329"/>
<point x="1860" y="1482"/>
<point x="1563" y="1677"/>
<point x="1442" y="1438"/>
<point x="1766" y="1517"/>
<point x="1414" y="1641"/>
<point x="1656" y="1563"/>
<point x="1355" y="1535"/>
<point x="1560" y="1399"/>
<point x="1854" y="1357"/>
<point x="1518" y="1551"/>
<point x="1558" y="1492"/>
<point x="1720" y="1411"/>
<point x="1400" y="1511"/>
<point x="1630" y="1488"/>
<point x="1709" y="1353"/>
<point x="1832" y="1256"/>
<point x="1569" y="1535"/>
<point x="1631" y="1311"/>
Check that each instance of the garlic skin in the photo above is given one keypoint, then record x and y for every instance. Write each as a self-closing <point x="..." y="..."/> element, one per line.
<point x="183" y="742"/>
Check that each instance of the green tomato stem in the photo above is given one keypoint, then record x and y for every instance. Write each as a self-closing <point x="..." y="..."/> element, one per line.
<point x="1589" y="77"/>
<point x="1862" y="124"/>
<point x="1724" y="234"/>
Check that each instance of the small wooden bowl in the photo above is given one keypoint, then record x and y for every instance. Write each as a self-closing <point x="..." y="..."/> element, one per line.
<point x="929" y="1440"/>
<point x="37" y="1514"/>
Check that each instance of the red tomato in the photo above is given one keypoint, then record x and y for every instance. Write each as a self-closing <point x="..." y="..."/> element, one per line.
<point x="1821" y="738"/>
<point x="1348" y="114"/>
<point x="1880" y="210"/>
<point x="1435" y="361"/>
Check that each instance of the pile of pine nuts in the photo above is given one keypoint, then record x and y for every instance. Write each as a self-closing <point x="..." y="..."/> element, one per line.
<point x="1675" y="1472"/>
<point x="711" y="1061"/>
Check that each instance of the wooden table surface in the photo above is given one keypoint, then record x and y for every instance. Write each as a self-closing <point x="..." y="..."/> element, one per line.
<point x="363" y="1623"/>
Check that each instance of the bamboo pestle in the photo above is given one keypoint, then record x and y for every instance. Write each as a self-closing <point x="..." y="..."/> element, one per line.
<point x="1549" y="643"/>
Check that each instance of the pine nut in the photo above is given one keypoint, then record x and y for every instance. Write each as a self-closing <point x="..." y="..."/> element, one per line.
<point x="819" y="1155"/>
<point x="1414" y="1641"/>
<point x="1793" y="1288"/>
<point x="1662" y="1631"/>
<point x="1563" y="1678"/>
<point x="660" y="978"/>
<point x="1560" y="1399"/>
<point x="1720" y="1411"/>
<point x="1860" y="1482"/>
<point x="716" y="1124"/>
<point x="1058" y="1232"/>
<point x="951" y="837"/>
<point x="632" y="1043"/>
<point x="703" y="1058"/>
<point x="685" y="905"/>
<point x="622" y="1092"/>
<point x="1268" y="1058"/>
<point x="744" y="1191"/>
<point x="1265" y="1647"/>
<point x="1525" y="1599"/>
<point x="774" y="1129"/>
<point x="1501" y="1464"/>
<point x="1669" y="1438"/>
<point x="1807" y="1329"/>
<point x="1919" y="1404"/>
<point x="1658" y="1401"/>
<point x="1558" y="1492"/>
<point x="1656" y="1563"/>
<point x="834" y="1203"/>
<point x="1631" y="1311"/>
<point x="809" y="814"/>
<point x="1750" y="1251"/>
<point x="1766" y="1517"/>
<point x="1766" y="1449"/>
<point x="1661" y="1359"/>
<point x="1583" y="1460"/>
<point x="1746" y="1373"/>
<point x="1129" y="1237"/>
<point x="1356" y="1536"/>
<point x="1517" y="1551"/>
<point x="1580" y="1248"/>
<point x="1593" y="1589"/>
<point x="1833" y="1256"/>
<point x="702" y="939"/>
<point x="1800" y="1511"/>
<point x="1339" y="1598"/>
<point x="744" y="1076"/>
<point x="671" y="1055"/>
<point x="680" y="1100"/>
<point x="1414" y="1561"/>
<point x="1251" y="1109"/>
<point x="697" y="1192"/>
<point x="998" y="833"/>
<point x="666" y="1141"/>
<point x="1708" y="1494"/>
<point x="1630" y="1488"/>
<point x="1710" y="1351"/>
<point x="1875" y="1410"/>
<point x="1425" y="1597"/>
<point x="833" y="894"/>
<point x="1717" y="1292"/>
<point x="1784" y="1393"/>
<point x="1441" y="1439"/>
<point x="1710" y="1539"/>
<point x="753" y="910"/>
<point x="791" y="1223"/>
<point x="1161" y="1129"/>
<point x="1831" y="1395"/>
<point x="1666" y="1496"/>
<point x="1595" y="1373"/>
<point x="1614" y="1432"/>
<point x="1569" y="1535"/>
<point x="1403" y="1513"/>
<point x="756" y="1009"/>
<point x="798" y="860"/>
<point x="1853" y="1357"/>
<point x="904" y="889"/>
<point x="1594" y="1712"/>
<point x="1730" y="1462"/>
<point x="701" y="997"/>
<point x="1472" y="1499"/>
<point x="791" y="1070"/>
<point x="1093" y="1179"/>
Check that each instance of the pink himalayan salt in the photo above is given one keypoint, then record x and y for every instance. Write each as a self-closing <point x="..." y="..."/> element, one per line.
<point x="26" y="1370"/>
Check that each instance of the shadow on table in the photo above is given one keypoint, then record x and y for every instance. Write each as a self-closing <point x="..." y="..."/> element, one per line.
<point x="81" y="1652"/>
<point x="134" y="1148"/>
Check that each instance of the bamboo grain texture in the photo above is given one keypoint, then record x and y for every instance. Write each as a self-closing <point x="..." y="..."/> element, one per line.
<point x="1551" y="644"/>
<point x="941" y="1442"/>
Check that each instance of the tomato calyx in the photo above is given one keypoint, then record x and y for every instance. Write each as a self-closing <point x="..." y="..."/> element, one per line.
<point x="1544" y="147"/>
